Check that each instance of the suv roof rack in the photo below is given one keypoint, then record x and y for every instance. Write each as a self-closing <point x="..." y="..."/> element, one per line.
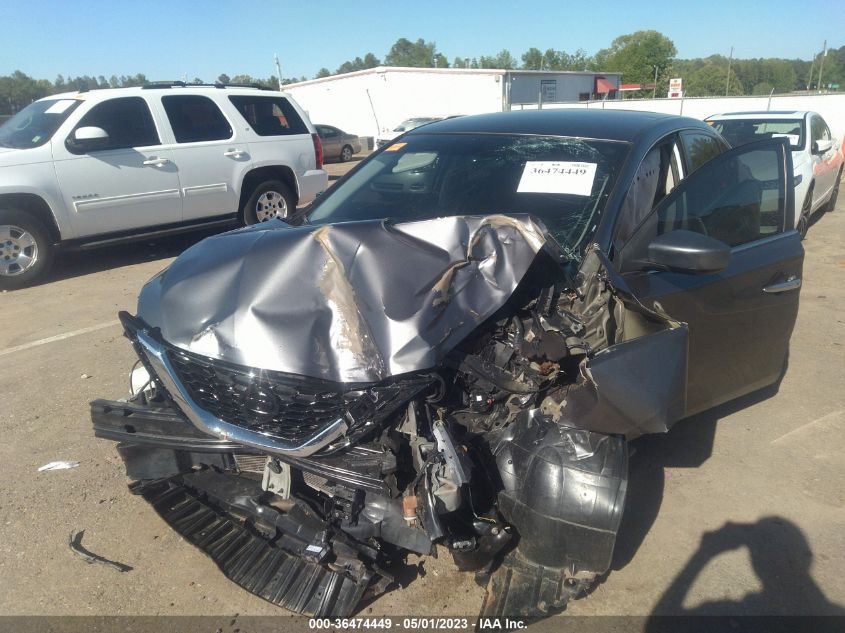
<point x="217" y="84"/>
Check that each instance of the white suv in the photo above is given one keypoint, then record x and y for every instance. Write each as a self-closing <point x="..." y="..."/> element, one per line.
<point x="99" y="167"/>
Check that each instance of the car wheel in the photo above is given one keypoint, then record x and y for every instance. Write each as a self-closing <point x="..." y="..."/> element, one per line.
<point x="831" y="203"/>
<point x="270" y="200"/>
<point x="345" y="153"/>
<point x="26" y="250"/>
<point x="806" y="211"/>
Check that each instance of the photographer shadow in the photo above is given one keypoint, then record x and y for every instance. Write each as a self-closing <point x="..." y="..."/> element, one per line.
<point x="781" y="558"/>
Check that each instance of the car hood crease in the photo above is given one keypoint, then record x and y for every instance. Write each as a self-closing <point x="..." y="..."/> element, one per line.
<point x="356" y="302"/>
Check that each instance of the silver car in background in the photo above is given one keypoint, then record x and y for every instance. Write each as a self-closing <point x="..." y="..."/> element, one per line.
<point x="408" y="124"/>
<point x="337" y="144"/>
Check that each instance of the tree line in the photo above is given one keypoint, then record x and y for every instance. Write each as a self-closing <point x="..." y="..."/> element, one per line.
<point x="640" y="57"/>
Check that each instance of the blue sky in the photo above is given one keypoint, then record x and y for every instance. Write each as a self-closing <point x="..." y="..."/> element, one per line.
<point x="166" y="40"/>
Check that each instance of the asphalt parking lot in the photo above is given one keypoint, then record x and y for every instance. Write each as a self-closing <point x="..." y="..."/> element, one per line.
<point x="738" y="511"/>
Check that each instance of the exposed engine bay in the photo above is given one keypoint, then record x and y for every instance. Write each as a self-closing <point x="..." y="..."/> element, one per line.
<point x="475" y="391"/>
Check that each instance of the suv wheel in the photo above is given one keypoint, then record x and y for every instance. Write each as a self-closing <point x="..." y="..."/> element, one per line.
<point x="26" y="250"/>
<point x="345" y="153"/>
<point x="270" y="200"/>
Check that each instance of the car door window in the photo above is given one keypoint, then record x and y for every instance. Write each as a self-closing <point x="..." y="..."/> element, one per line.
<point x="195" y="118"/>
<point x="819" y="130"/>
<point x="269" y="116"/>
<point x="656" y="177"/>
<point x="127" y="121"/>
<point x="736" y="198"/>
<point x="700" y="148"/>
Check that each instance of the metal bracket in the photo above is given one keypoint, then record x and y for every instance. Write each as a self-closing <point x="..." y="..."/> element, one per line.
<point x="277" y="478"/>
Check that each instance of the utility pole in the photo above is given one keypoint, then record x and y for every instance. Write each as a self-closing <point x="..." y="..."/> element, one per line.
<point x="654" y="88"/>
<point x="812" y="69"/>
<point x="278" y="70"/>
<point x="728" y="80"/>
<point x="821" y="64"/>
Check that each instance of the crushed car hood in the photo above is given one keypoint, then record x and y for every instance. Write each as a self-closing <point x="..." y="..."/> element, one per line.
<point x="351" y="302"/>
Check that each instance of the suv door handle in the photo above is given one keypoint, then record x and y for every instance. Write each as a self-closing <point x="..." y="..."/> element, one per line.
<point x="156" y="161"/>
<point x="792" y="283"/>
<point x="234" y="153"/>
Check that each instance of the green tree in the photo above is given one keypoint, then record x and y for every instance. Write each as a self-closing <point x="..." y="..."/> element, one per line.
<point x="762" y="88"/>
<point x="323" y="72"/>
<point x="224" y="79"/>
<point x="419" y="54"/>
<point x="552" y="60"/>
<point x="635" y="55"/>
<point x="711" y="80"/>
<point x="503" y="60"/>
<point x="533" y="59"/>
<point x="18" y="90"/>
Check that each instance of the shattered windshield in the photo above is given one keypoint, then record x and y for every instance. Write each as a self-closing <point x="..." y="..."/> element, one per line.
<point x="36" y="123"/>
<point x="564" y="182"/>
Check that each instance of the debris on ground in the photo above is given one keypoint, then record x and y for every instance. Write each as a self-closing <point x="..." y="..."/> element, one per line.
<point x="60" y="465"/>
<point x="75" y="543"/>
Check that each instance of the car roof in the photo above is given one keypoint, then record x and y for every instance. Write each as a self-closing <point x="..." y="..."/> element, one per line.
<point x="617" y="125"/>
<point x="762" y="114"/>
<point x="99" y="94"/>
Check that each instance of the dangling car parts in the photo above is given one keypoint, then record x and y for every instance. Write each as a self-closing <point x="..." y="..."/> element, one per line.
<point x="453" y="347"/>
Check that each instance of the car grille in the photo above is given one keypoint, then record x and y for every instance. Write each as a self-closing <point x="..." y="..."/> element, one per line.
<point x="292" y="408"/>
<point x="283" y="406"/>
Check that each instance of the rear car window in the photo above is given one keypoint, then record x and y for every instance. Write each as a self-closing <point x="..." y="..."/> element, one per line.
<point x="741" y="131"/>
<point x="196" y="118"/>
<point x="269" y="116"/>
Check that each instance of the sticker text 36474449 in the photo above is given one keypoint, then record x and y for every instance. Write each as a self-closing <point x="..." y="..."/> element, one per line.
<point x="544" y="176"/>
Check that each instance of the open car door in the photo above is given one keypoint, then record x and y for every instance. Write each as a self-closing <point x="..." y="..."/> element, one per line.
<point x="740" y="318"/>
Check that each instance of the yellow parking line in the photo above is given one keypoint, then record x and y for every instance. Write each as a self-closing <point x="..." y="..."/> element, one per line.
<point x="58" y="337"/>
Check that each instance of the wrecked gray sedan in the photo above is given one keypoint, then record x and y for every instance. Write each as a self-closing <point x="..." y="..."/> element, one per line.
<point x="454" y="347"/>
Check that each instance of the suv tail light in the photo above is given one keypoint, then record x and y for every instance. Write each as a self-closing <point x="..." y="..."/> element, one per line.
<point x="318" y="150"/>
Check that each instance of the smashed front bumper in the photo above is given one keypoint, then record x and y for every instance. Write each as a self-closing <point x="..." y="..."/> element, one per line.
<point x="288" y="556"/>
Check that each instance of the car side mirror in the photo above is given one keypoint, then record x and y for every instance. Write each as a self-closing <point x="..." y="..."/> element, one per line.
<point x="689" y="252"/>
<point x="822" y="146"/>
<point x="87" y="138"/>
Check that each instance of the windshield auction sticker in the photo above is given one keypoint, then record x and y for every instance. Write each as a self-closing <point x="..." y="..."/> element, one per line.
<point x="546" y="176"/>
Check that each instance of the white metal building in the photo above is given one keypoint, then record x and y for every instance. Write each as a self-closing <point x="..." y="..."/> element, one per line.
<point x="378" y="99"/>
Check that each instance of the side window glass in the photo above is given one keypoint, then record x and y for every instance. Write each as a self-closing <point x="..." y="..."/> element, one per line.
<point x="817" y="129"/>
<point x="196" y="118"/>
<point x="270" y="116"/>
<point x="656" y="177"/>
<point x="735" y="199"/>
<point x="699" y="148"/>
<point x="126" y="120"/>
